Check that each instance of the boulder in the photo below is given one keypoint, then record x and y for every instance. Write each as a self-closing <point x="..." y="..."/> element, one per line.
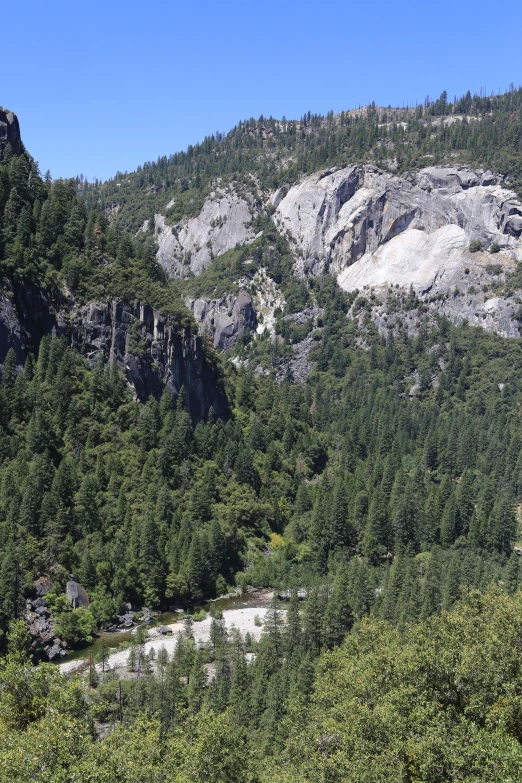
<point x="43" y="585"/>
<point x="77" y="595"/>
<point x="126" y="619"/>
<point x="55" y="652"/>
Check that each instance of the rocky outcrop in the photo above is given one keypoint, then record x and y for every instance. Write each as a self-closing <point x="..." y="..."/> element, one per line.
<point x="495" y="314"/>
<point x="39" y="620"/>
<point x="147" y="345"/>
<point x="377" y="231"/>
<point x="190" y="246"/>
<point x="9" y="132"/>
<point x="224" y="319"/>
<point x="26" y="314"/>
<point x="151" y="349"/>
<point x="371" y="228"/>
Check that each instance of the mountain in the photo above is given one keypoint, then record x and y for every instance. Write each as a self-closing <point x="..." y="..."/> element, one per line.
<point x="47" y="235"/>
<point x="427" y="197"/>
<point x="287" y="358"/>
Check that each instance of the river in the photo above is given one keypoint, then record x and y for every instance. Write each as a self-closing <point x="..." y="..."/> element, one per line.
<point x="246" y="613"/>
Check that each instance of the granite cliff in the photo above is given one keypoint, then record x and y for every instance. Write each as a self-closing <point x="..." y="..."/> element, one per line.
<point x="190" y="245"/>
<point x="452" y="234"/>
<point x="151" y="349"/>
<point x="371" y="228"/>
<point x="9" y="132"/>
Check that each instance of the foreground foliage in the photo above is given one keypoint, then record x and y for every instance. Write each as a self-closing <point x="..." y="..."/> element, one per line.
<point x="435" y="702"/>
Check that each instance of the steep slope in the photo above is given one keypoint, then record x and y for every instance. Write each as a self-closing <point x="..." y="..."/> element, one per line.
<point x="451" y="234"/>
<point x="372" y="228"/>
<point x="190" y="246"/>
<point x="65" y="272"/>
<point x="378" y="197"/>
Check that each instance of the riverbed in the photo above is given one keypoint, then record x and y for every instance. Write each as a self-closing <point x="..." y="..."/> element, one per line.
<point x="246" y="613"/>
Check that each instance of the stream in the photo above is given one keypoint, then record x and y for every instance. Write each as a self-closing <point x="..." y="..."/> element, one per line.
<point x="244" y="612"/>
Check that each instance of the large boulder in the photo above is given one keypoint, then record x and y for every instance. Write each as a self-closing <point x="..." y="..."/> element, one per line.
<point x="77" y="595"/>
<point x="43" y="584"/>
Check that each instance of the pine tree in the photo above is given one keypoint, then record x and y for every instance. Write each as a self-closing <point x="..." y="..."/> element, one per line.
<point x="196" y="685"/>
<point x="376" y="537"/>
<point x="240" y="687"/>
<point x="338" y="616"/>
<point x="294" y="630"/>
<point x="313" y="621"/>
<point x="103" y="654"/>
<point x="339" y="529"/>
<point x="431" y="597"/>
<point x="449" y="526"/>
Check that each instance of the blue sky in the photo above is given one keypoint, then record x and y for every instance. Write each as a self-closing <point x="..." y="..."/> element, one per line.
<point x="104" y="86"/>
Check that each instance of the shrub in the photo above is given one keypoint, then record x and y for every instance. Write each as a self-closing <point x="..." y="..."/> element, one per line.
<point x="475" y="245"/>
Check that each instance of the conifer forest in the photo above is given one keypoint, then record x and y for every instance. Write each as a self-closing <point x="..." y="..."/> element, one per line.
<point x="368" y="508"/>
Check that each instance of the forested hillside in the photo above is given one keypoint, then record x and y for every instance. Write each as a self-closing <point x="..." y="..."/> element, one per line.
<point x="416" y="494"/>
<point x="471" y="130"/>
<point x="381" y="485"/>
<point x="141" y="507"/>
<point x="50" y="237"/>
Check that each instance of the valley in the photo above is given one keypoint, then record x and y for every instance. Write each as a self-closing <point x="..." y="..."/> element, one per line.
<point x="261" y="412"/>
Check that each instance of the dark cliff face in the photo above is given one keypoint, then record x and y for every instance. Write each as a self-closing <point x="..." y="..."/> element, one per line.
<point x="152" y="352"/>
<point x="144" y="343"/>
<point x="26" y="314"/>
<point x="10" y="132"/>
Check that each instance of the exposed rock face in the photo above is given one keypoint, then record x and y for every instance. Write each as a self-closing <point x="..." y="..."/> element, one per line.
<point x="376" y="230"/>
<point x="267" y="300"/>
<point x="77" y="595"/>
<point x="151" y="351"/>
<point x="10" y="132"/>
<point x="139" y="338"/>
<point x="372" y="228"/>
<point x="26" y="314"/>
<point x="495" y="315"/>
<point x="225" y="318"/>
<point x="191" y="245"/>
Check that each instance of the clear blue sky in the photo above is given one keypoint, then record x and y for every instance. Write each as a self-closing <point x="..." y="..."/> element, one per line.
<point x="103" y="86"/>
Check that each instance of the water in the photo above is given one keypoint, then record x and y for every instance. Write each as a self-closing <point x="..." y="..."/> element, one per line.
<point x="114" y="640"/>
<point x="251" y="600"/>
